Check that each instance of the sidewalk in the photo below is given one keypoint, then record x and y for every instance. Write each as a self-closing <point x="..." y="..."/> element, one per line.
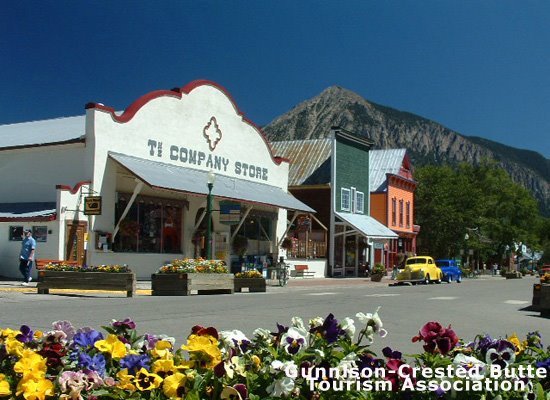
<point x="144" y="286"/>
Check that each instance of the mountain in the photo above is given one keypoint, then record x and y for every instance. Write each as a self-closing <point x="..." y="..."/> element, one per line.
<point x="428" y="142"/>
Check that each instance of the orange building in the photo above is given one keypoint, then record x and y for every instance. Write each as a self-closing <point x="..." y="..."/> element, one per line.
<point x="392" y="202"/>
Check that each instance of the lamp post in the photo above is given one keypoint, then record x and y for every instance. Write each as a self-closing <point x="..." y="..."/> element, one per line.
<point x="210" y="183"/>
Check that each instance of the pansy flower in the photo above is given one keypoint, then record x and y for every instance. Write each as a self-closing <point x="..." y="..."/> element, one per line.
<point x="4" y="386"/>
<point x="111" y="345"/>
<point x="146" y="381"/>
<point x="65" y="327"/>
<point x="173" y="386"/>
<point x="236" y="340"/>
<point x="135" y="362"/>
<point x="330" y="330"/>
<point x="294" y="340"/>
<point x="437" y="338"/>
<point x="501" y="352"/>
<point x="35" y="389"/>
<point x="86" y="339"/>
<point x="237" y="392"/>
<point x="25" y="334"/>
<point x="373" y="324"/>
<point x="204" y="350"/>
<point x="125" y="324"/>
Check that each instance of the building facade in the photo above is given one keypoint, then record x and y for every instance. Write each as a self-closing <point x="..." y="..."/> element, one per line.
<point x="331" y="175"/>
<point x="392" y="202"/>
<point x="131" y="187"/>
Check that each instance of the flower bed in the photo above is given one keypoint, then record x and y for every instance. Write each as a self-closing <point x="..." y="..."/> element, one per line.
<point x="321" y="359"/>
<point x="252" y="280"/>
<point x="101" y="277"/>
<point x="182" y="277"/>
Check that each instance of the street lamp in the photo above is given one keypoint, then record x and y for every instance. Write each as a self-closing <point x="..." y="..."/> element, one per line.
<point x="210" y="183"/>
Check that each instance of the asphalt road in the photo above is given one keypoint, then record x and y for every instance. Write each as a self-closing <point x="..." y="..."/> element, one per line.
<point x="486" y="305"/>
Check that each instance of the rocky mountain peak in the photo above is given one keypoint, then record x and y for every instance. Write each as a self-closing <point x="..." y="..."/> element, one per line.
<point x="428" y="142"/>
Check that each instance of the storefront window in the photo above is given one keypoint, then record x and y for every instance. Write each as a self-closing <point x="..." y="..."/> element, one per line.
<point x="150" y="226"/>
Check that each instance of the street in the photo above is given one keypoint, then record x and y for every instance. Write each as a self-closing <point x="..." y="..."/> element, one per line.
<point x="490" y="305"/>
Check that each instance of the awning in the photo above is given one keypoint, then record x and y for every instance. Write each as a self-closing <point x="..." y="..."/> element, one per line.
<point x="38" y="211"/>
<point x="367" y="225"/>
<point x="181" y="179"/>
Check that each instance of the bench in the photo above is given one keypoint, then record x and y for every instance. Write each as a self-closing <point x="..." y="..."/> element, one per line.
<point x="303" y="271"/>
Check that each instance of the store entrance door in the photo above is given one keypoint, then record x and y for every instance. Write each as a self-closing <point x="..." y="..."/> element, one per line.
<point x="75" y="241"/>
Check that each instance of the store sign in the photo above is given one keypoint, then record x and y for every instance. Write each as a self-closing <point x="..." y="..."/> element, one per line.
<point x="92" y="205"/>
<point x="230" y="213"/>
<point x="379" y="246"/>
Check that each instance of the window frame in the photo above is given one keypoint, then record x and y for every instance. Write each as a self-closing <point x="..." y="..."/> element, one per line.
<point x="345" y="196"/>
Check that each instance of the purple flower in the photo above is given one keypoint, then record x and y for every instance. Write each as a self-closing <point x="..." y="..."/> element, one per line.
<point x="389" y="353"/>
<point x="65" y="327"/>
<point x="85" y="339"/>
<point x="544" y="364"/>
<point x="135" y="362"/>
<point x="94" y="363"/>
<point x="368" y="362"/>
<point x="26" y="334"/>
<point x="243" y="391"/>
<point x="501" y="352"/>
<point x="126" y="323"/>
<point x="483" y="343"/>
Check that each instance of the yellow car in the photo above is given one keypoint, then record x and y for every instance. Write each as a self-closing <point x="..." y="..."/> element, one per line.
<point x="420" y="269"/>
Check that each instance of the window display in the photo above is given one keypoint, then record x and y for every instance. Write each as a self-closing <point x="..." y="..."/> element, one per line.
<point x="150" y="226"/>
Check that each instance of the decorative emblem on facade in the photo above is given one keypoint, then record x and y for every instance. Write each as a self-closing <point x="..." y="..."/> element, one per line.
<point x="212" y="133"/>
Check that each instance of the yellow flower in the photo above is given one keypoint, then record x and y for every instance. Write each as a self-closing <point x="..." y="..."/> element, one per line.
<point x="163" y="349"/>
<point x="174" y="386"/>
<point x="31" y="365"/>
<point x="32" y="389"/>
<point x="4" y="386"/>
<point x="14" y="347"/>
<point x="125" y="380"/>
<point x="520" y="346"/>
<point x="145" y="380"/>
<point x="256" y="361"/>
<point x="204" y="349"/>
<point x="229" y="393"/>
<point x="111" y="345"/>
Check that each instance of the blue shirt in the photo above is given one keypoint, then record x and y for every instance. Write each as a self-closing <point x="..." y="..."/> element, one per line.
<point x="27" y="246"/>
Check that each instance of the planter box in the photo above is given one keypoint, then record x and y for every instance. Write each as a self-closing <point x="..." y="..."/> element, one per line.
<point x="124" y="281"/>
<point x="513" y="275"/>
<point x="376" y="277"/>
<point x="184" y="284"/>
<point x="253" y="284"/>
<point x="541" y="298"/>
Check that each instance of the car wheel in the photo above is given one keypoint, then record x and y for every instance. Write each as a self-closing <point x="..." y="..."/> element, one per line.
<point x="459" y="279"/>
<point x="427" y="279"/>
<point x="438" y="281"/>
<point x="450" y="278"/>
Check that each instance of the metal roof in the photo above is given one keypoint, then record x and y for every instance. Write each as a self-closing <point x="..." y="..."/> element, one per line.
<point x="382" y="162"/>
<point x="367" y="225"/>
<point x="182" y="179"/>
<point x="43" y="132"/>
<point x="309" y="160"/>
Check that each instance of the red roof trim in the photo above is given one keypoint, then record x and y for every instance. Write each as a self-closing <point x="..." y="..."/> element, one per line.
<point x="129" y="113"/>
<point x="74" y="189"/>
<point x="51" y="217"/>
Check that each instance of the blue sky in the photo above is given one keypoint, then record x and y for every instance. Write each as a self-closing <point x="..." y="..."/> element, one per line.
<point x="481" y="68"/>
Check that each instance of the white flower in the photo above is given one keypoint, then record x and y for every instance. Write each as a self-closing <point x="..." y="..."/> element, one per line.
<point x="468" y="363"/>
<point x="264" y="334"/>
<point x="288" y="367"/>
<point x="281" y="387"/>
<point x="373" y="324"/>
<point x="315" y="322"/>
<point x="294" y="340"/>
<point x="298" y="323"/>
<point x="346" y="365"/>
<point x="348" y="326"/>
<point x="234" y="339"/>
<point x="234" y="366"/>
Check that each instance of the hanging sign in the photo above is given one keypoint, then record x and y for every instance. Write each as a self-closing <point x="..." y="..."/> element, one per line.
<point x="92" y="205"/>
<point x="230" y="213"/>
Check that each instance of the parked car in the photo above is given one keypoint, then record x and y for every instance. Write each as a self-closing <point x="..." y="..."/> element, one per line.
<point x="420" y="269"/>
<point x="450" y="269"/>
<point x="545" y="269"/>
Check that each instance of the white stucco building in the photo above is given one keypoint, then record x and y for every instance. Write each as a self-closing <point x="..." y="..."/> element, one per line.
<point x="148" y="166"/>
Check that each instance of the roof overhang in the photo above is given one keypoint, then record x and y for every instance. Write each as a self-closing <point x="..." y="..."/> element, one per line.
<point x="367" y="225"/>
<point x="21" y="212"/>
<point x="188" y="180"/>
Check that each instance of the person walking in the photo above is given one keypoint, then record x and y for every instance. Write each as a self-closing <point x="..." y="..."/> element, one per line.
<point x="26" y="256"/>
